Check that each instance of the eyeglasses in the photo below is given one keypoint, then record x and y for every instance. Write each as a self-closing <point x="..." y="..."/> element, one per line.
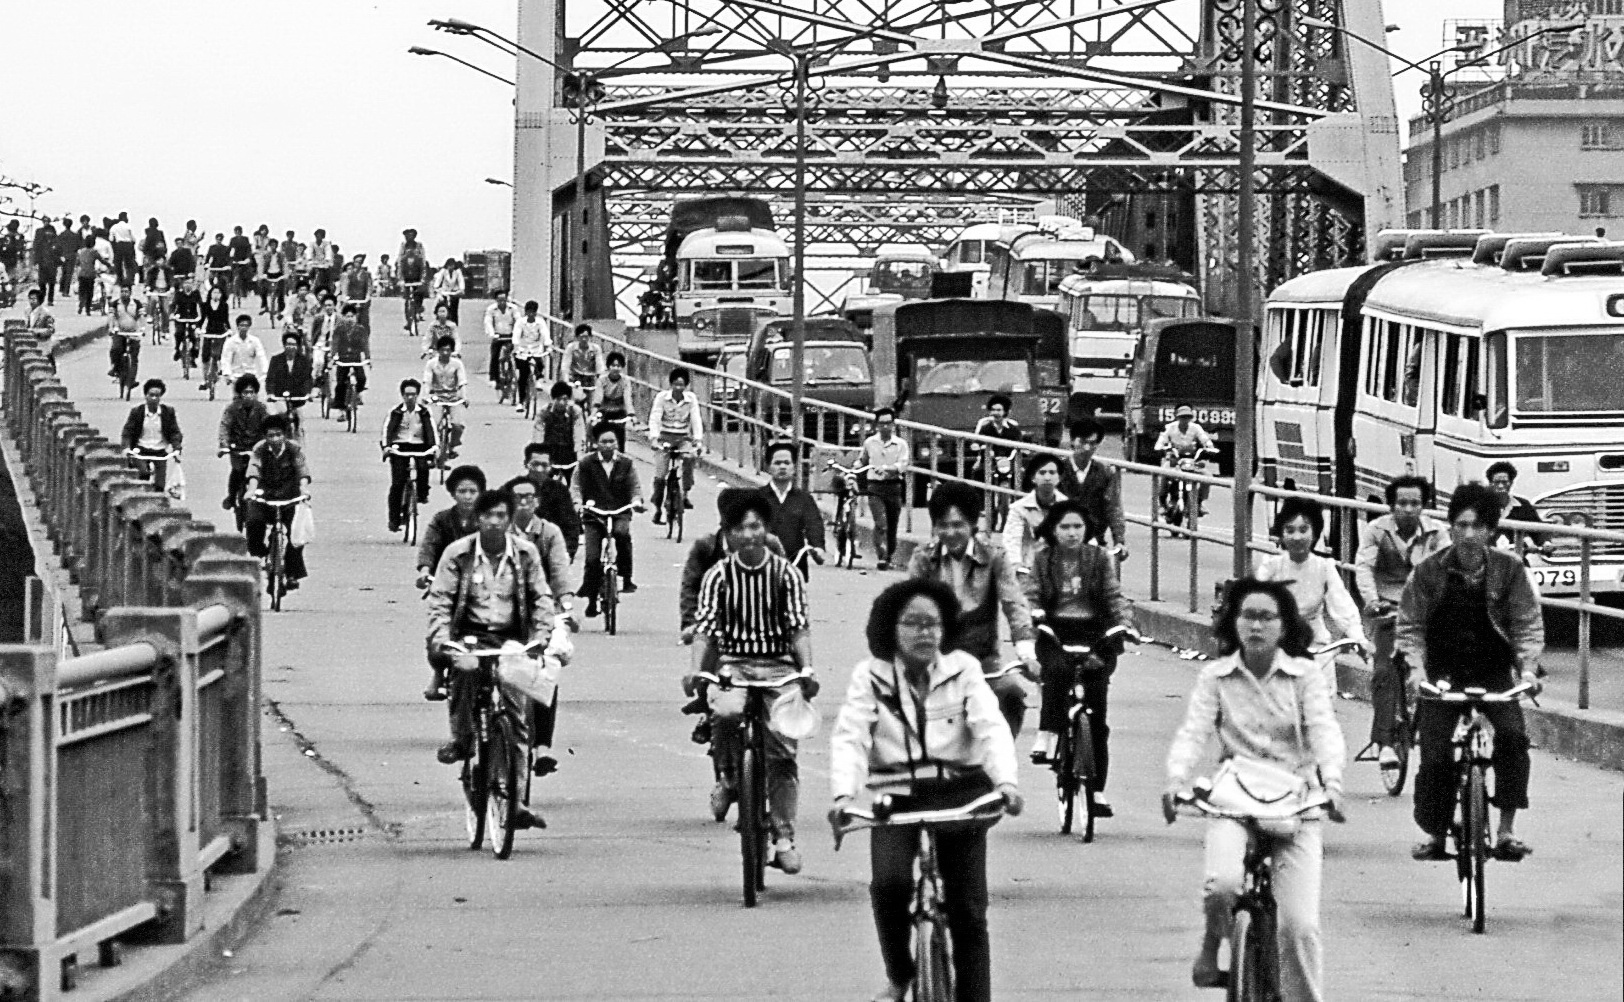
<point x="921" y="625"/>
<point x="1251" y="616"/>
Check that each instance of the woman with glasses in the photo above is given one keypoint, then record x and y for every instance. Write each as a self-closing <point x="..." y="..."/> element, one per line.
<point x="921" y="725"/>
<point x="1265" y="701"/>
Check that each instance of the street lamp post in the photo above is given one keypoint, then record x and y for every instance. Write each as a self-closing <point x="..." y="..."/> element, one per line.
<point x="803" y="70"/>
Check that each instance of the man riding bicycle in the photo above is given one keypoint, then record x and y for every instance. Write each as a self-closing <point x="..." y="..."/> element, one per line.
<point x="187" y="312"/>
<point x="126" y="325"/>
<point x="1183" y="438"/>
<point x="351" y="346"/>
<point x="290" y="375"/>
<point x="585" y="362"/>
<point x="547" y="538"/>
<point x="409" y="428"/>
<point x="241" y="427"/>
<point x="1096" y="486"/>
<point x="609" y="402"/>
<point x="997" y="423"/>
<point x="531" y="345"/>
<point x="752" y="619"/>
<point x="243" y="354"/>
<point x="445" y="383"/>
<point x="674" y="426"/>
<point x="276" y="472"/>
<point x="500" y="321"/>
<point x="153" y="431"/>
<point x="553" y="501"/>
<point x="607" y="481"/>
<point x="561" y="425"/>
<point x="1469" y="616"/>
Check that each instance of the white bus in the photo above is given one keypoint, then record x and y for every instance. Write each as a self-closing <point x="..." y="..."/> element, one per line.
<point x="1038" y="262"/>
<point x="1106" y="313"/>
<point x="731" y="281"/>
<point x="1442" y="366"/>
<point x="983" y="248"/>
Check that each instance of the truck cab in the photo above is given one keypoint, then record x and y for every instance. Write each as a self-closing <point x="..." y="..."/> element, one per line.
<point x="1180" y="362"/>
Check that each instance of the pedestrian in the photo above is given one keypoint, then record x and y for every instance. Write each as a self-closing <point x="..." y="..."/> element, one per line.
<point x="86" y="260"/>
<point x="13" y="258"/>
<point x="885" y="455"/>
<point x="46" y="260"/>
<point x="796" y="519"/>
<point x="68" y="242"/>
<point x="122" y="236"/>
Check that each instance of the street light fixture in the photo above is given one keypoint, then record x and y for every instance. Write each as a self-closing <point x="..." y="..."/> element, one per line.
<point x="497" y="180"/>
<point x="418" y="50"/>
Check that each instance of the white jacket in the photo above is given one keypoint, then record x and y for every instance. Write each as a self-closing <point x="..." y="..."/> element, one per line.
<point x="1021" y="528"/>
<point x="876" y="735"/>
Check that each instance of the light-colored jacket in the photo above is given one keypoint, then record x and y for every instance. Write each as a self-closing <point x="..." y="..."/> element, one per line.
<point x="1385" y="560"/>
<point x="876" y="735"/>
<point x="1284" y="719"/>
<point x="548" y="539"/>
<point x="1317" y="586"/>
<point x="1021" y="529"/>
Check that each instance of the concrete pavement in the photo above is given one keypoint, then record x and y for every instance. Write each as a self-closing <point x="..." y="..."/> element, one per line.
<point x="631" y="893"/>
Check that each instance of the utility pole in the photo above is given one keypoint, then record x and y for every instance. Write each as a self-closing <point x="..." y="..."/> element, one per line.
<point x="1245" y="348"/>
<point x="803" y="69"/>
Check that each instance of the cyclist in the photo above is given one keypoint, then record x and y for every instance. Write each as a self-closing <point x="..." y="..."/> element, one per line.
<point x="465" y="484"/>
<point x="886" y="457"/>
<point x="547" y="538"/>
<point x="357" y="283"/>
<point x="183" y="263"/>
<point x="941" y="756"/>
<point x="1501" y="476"/>
<point x="609" y="401"/>
<point x="1041" y="481"/>
<point x="241" y="254"/>
<point x="752" y="615"/>
<point x="1266" y="703"/>
<point x="384" y="276"/>
<point x="674" y="427"/>
<point x="188" y="315"/>
<point x="409" y="427"/>
<point x="531" y="346"/>
<point x="321" y="262"/>
<point x="449" y="286"/>
<point x="350" y="343"/>
<point x="997" y="423"/>
<point x="324" y="321"/>
<point x="290" y="374"/>
<point x="241" y="427"/>
<point x="1073" y="588"/>
<point x="606" y="480"/>
<point x="1181" y="438"/>
<point x="489" y="585"/>
<point x="1315" y="581"/>
<point x="413" y="267"/>
<point x="1470" y="616"/>
<point x="553" y="501"/>
<point x="561" y="426"/>
<point x="273" y="281"/>
<point x="410" y="246"/>
<point x="1097" y="486"/>
<point x="442" y="327"/>
<point x="217" y="259"/>
<point x="153" y="430"/>
<point x="983" y="580"/>
<point x="126" y="326"/>
<point x="796" y="520"/>
<point x="500" y="321"/>
<point x="244" y="353"/>
<point x="160" y="293"/>
<point x="702" y="556"/>
<point x="216" y="328"/>
<point x="445" y="380"/>
<point x="585" y="362"/>
<point x="303" y="307"/>
<point x="1390" y="548"/>
<point x="277" y="471"/>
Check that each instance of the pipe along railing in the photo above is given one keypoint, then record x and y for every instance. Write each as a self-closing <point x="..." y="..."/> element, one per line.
<point x="131" y="772"/>
<point x="743" y="417"/>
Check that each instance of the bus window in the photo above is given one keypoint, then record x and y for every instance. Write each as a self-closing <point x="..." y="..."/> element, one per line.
<point x="712" y="275"/>
<point x="1392" y="350"/>
<point x="1469" y="381"/>
<point x="758" y="273"/>
<point x="1317" y="321"/>
<point x="1568" y="373"/>
<point x="1160" y="307"/>
<point x="1494" y="378"/>
<point x="1194" y="364"/>
<point x="1280" y="358"/>
<point x="1375" y="333"/>
<point x="1449" y="376"/>
<point x="1412" y="369"/>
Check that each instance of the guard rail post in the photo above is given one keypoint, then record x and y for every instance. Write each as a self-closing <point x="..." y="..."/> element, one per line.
<point x="27" y="774"/>
<point x="130" y="511"/>
<point x="1584" y="623"/>
<point x="1156" y="488"/>
<point x="1192" y="521"/>
<point x="174" y="875"/>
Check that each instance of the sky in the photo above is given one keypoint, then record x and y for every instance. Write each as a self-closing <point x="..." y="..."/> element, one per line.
<point x="307" y="113"/>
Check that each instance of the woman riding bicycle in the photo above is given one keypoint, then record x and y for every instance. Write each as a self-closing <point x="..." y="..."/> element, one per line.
<point x="1073" y="588"/>
<point x="1270" y="708"/>
<point x="1315" y="581"/>
<point x="921" y="724"/>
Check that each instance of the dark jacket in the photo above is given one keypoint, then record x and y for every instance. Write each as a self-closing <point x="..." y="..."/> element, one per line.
<point x="1102" y="588"/>
<point x="425" y="422"/>
<point x="217" y="319"/>
<point x="45" y="256"/>
<point x="796" y="522"/>
<point x="240" y="425"/>
<point x="68" y="243"/>
<point x="616" y="489"/>
<point x="281" y="477"/>
<point x="706" y="553"/>
<point x="279" y="379"/>
<point x="153" y="243"/>
<point x="188" y="306"/>
<point x="183" y="262"/>
<point x="443" y="529"/>
<point x="166" y="415"/>
<point x="1513" y="607"/>
<point x="1100" y="494"/>
<point x="448" y="596"/>
<point x="553" y="503"/>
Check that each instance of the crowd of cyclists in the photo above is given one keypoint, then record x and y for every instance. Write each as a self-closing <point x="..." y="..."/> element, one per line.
<point x="930" y="718"/>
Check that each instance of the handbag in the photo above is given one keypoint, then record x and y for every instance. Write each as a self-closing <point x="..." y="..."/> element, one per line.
<point x="175" y="483"/>
<point x="303" y="530"/>
<point x="534" y="677"/>
<point x="1256" y="788"/>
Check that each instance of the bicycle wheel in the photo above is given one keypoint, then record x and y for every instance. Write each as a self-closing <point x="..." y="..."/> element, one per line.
<point x="673" y="516"/>
<point x="1251" y="944"/>
<point x="274" y="569"/>
<point x="502" y="804"/>
<point x="1393" y="779"/>
<point x="475" y="793"/>
<point x="1474" y="849"/>
<point x="611" y="599"/>
<point x="933" y="967"/>
<point x="751" y="837"/>
<point x="1065" y="782"/>
<point x="1082" y="770"/>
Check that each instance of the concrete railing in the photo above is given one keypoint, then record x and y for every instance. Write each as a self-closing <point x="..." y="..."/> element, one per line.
<point x="131" y="772"/>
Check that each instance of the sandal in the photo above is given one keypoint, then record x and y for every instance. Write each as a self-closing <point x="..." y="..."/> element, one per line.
<point x="1511" y="849"/>
<point x="1430" y="851"/>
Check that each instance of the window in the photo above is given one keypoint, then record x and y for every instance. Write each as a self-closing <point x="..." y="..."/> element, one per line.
<point x="1494" y="138"/>
<point x="1480" y="144"/>
<point x="1449" y="376"/>
<point x="1452" y="151"/>
<point x="1480" y="210"/>
<point x="1601" y="135"/>
<point x="1375" y="332"/>
<point x="1494" y="204"/>
<point x="1494" y="379"/>
<point x="760" y="273"/>
<point x="1470" y="382"/>
<point x="1394" y="348"/>
<point x="1319" y="320"/>
<point x="1412" y="369"/>
<point x="712" y="275"/>
<point x="1562" y="373"/>
<point x="951" y="377"/>
<point x="1595" y="201"/>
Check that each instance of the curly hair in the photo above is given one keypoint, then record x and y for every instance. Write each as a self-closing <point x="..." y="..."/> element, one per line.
<point x="951" y="494"/>
<point x="1295" y="633"/>
<point x="1477" y="497"/>
<point x="887" y="610"/>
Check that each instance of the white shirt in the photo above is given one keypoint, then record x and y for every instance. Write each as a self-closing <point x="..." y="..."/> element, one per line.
<point x="1021" y="528"/>
<point x="670" y="419"/>
<point x="449" y="283"/>
<point x="530" y="339"/>
<point x="240" y="356"/>
<point x="1319" y="591"/>
<point x="121" y="232"/>
<point x="500" y="323"/>
<point x="152" y="429"/>
<point x="445" y="382"/>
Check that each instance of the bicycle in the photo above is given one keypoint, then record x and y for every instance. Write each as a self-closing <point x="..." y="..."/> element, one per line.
<point x="211" y="360"/>
<point x="676" y="502"/>
<point x="507" y="375"/>
<point x="933" y="946"/>
<point x="237" y="500"/>
<point x="129" y="361"/>
<point x="1003" y="475"/>
<point x="408" y="524"/>
<point x="186" y="346"/>
<point x="491" y="777"/>
<point x="1075" y="771"/>
<point x="276" y="546"/>
<point x="220" y="278"/>
<point x="564" y="472"/>
<point x="1473" y="748"/>
<point x="609" y="589"/>
<point x="1179" y="497"/>
<point x="292" y="407"/>
<point x="749" y="769"/>
<point x="158" y="311"/>
<point x="1254" y="953"/>
<point x="845" y="520"/>
<point x="1394" y="774"/>
<point x="442" y="430"/>
<point x="146" y="465"/>
<point x="412" y="293"/>
<point x="352" y="398"/>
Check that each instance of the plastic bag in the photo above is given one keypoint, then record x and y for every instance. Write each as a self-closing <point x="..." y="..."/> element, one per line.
<point x="303" y="530"/>
<point x="792" y="716"/>
<point x="175" y="481"/>
<point x="535" y="677"/>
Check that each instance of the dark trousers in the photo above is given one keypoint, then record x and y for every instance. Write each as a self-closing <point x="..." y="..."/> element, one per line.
<point x="1386" y="682"/>
<point x="592" y="573"/>
<point x="47" y="283"/>
<point x="66" y="274"/>
<point x="463" y="694"/>
<point x="451" y="305"/>
<point x="343" y="378"/>
<point x="124" y="262"/>
<point x="1057" y="682"/>
<point x="885" y="507"/>
<point x="234" y="484"/>
<point x="87" y="293"/>
<point x="259" y="519"/>
<point x="400" y="477"/>
<point x="1435" y="776"/>
<point x="961" y="857"/>
<point x="321" y="278"/>
<point x="499" y="345"/>
<point x="524" y="373"/>
<point x="119" y="346"/>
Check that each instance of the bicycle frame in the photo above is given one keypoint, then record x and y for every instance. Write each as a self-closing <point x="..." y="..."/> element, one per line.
<point x="276" y="543"/>
<point x="497" y="714"/>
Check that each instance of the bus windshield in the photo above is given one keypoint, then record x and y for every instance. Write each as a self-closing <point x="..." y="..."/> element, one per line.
<point x="947" y="377"/>
<point x="906" y="278"/>
<point x="1193" y="364"/>
<point x="1566" y="373"/>
<point x="842" y="364"/>
<point x="728" y="274"/>
<point x="1115" y="312"/>
<point x="1043" y="277"/>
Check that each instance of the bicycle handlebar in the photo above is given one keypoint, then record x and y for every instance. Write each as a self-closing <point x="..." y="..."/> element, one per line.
<point x="595" y="510"/>
<point x="988" y="806"/>
<point x="166" y="457"/>
<point x="460" y="401"/>
<point x="279" y="504"/>
<point x="492" y="652"/>
<point x="850" y="471"/>
<point x="1442" y="693"/>
<point x="1336" y="646"/>
<point x="395" y="450"/>
<point x="727" y="681"/>
<point x="1207" y="809"/>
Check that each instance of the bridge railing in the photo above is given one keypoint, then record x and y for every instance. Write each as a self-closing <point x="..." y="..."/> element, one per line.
<point x="743" y="416"/>
<point x="132" y="771"/>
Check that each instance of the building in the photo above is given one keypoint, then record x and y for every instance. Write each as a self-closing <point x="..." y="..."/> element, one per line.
<point x="1543" y="148"/>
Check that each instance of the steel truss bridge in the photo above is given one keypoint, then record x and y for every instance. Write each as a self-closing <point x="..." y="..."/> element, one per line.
<point x="926" y="115"/>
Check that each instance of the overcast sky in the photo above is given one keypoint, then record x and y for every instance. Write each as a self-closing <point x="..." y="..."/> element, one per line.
<point x="307" y="113"/>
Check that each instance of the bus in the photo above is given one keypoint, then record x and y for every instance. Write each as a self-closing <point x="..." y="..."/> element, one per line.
<point x="732" y="277"/>
<point x="1441" y="366"/>
<point x="1033" y="265"/>
<point x="1107" y="311"/>
<point x="901" y="271"/>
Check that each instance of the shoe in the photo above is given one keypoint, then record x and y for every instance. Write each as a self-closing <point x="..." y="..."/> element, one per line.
<point x="1511" y="849"/>
<point x="627" y="588"/>
<point x="883" y="565"/>
<point x="659" y="518"/>
<point x="545" y="765"/>
<point x="422" y="499"/>
<point x="787" y="857"/>
<point x="1102" y="807"/>
<point x="435" y="694"/>
<point x="1430" y="851"/>
<point x="687" y="505"/>
<point x="696" y="705"/>
<point x="394" y="526"/>
<point x="524" y="818"/>
<point x="721" y="798"/>
<point x="891" y="993"/>
<point x="592" y="609"/>
<point x="1205" y="974"/>
<point x="228" y="504"/>
<point x="702" y="732"/>
<point x="451" y="753"/>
